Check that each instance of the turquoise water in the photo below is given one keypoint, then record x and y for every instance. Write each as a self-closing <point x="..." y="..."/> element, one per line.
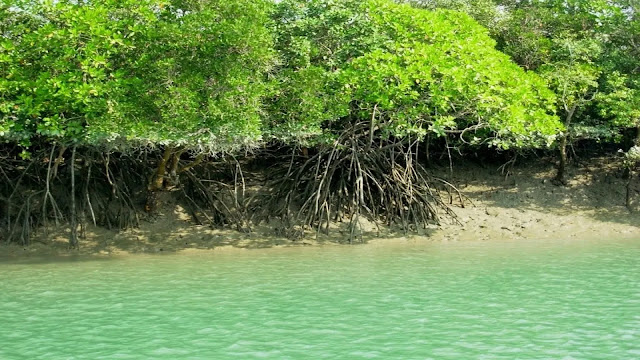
<point x="485" y="300"/>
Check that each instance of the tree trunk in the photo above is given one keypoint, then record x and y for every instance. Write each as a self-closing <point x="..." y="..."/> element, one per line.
<point x="73" y="237"/>
<point x="629" y="172"/>
<point x="628" y="194"/>
<point x="157" y="181"/>
<point x="562" y="147"/>
<point x="562" y="165"/>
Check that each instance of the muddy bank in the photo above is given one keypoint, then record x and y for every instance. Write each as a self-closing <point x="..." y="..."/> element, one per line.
<point x="522" y="204"/>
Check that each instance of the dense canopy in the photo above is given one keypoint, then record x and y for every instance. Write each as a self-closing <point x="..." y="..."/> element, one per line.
<point x="414" y="72"/>
<point x="134" y="72"/>
<point x="218" y="75"/>
<point x="587" y="51"/>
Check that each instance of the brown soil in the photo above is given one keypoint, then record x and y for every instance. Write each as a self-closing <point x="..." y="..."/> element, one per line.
<point x="523" y="205"/>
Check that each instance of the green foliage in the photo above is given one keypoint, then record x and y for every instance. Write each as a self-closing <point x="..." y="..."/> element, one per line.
<point x="573" y="75"/>
<point x="131" y="73"/>
<point x="411" y="72"/>
<point x="315" y="40"/>
<point x="586" y="49"/>
<point x="621" y="101"/>
<point x="303" y="102"/>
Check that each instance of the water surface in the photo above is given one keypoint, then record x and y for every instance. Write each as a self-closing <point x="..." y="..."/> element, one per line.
<point x="485" y="300"/>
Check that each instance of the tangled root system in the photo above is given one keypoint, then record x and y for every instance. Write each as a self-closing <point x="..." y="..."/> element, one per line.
<point x="358" y="175"/>
<point x="59" y="186"/>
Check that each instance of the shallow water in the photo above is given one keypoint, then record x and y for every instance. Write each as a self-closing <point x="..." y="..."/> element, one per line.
<point x="485" y="300"/>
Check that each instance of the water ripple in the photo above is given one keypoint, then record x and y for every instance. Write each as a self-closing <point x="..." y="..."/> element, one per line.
<point x="535" y="300"/>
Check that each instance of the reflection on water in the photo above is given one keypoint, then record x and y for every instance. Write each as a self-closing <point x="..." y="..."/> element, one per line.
<point x="489" y="300"/>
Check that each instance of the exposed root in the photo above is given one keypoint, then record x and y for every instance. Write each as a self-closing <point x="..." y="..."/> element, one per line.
<point x="45" y="189"/>
<point x="506" y="168"/>
<point x="217" y="192"/>
<point x="358" y="176"/>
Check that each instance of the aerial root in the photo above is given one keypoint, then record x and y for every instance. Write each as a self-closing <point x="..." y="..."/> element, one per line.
<point x="359" y="176"/>
<point x="37" y="192"/>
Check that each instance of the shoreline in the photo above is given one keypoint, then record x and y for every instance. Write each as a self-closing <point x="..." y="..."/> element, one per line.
<point x="524" y="205"/>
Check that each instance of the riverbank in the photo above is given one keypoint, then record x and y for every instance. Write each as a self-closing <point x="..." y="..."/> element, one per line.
<point x="522" y="204"/>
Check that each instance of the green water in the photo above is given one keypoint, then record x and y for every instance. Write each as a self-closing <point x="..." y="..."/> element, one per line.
<point x="490" y="300"/>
